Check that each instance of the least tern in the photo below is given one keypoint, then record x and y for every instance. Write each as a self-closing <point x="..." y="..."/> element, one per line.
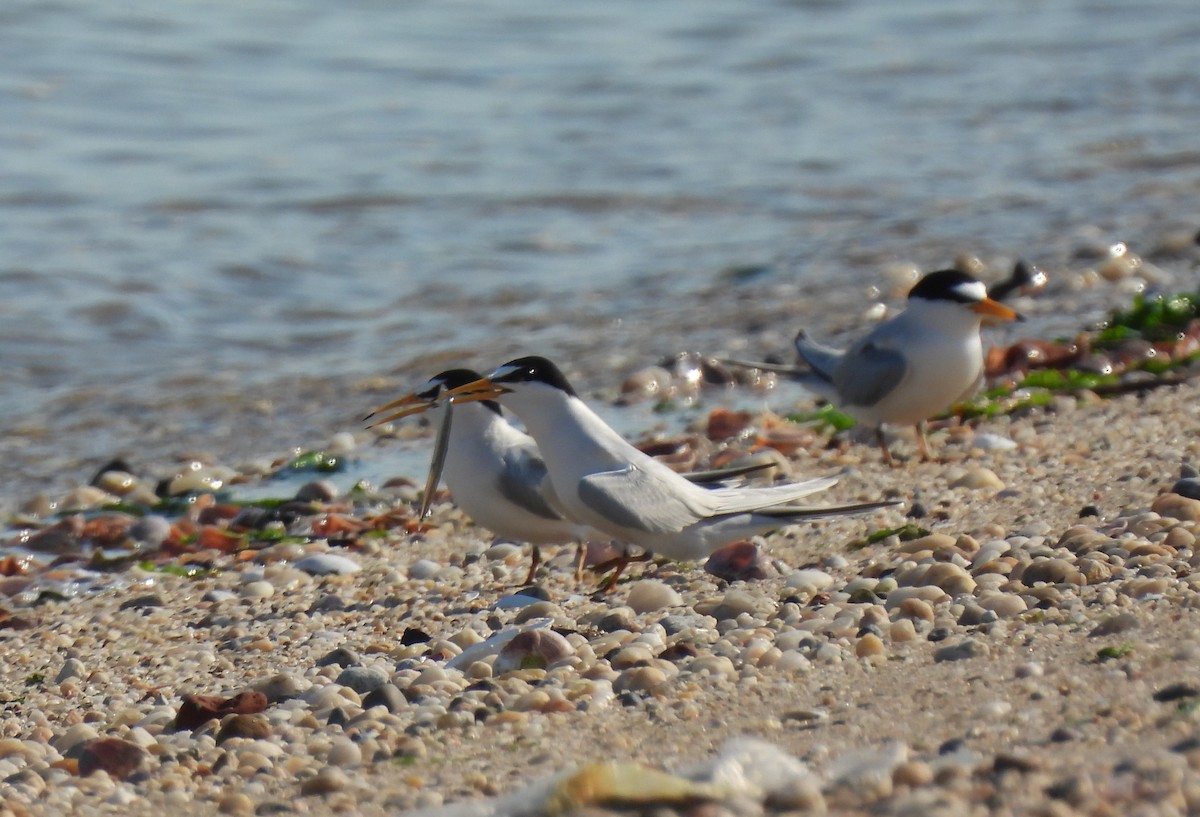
<point x="603" y="481"/>
<point x="494" y="471"/>
<point x="913" y="365"/>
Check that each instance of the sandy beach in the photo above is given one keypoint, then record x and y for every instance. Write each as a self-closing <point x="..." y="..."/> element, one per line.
<point x="1030" y="650"/>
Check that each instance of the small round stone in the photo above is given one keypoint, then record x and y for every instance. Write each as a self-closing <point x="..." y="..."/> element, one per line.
<point x="809" y="581"/>
<point x="532" y="648"/>
<point x="977" y="479"/>
<point x="650" y="595"/>
<point x="913" y="773"/>
<point x="329" y="780"/>
<point x="423" y="569"/>
<point x="648" y="680"/>
<point x="344" y="752"/>
<point x="260" y="589"/>
<point x="362" y="679"/>
<point x="327" y="564"/>
<point x="869" y="646"/>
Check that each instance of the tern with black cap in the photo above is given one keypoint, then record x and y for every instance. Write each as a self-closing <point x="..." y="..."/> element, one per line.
<point x="600" y="479"/>
<point x="913" y="365"/>
<point x="495" y="471"/>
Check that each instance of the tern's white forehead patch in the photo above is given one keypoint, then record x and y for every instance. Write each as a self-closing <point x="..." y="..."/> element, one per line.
<point x="975" y="290"/>
<point x="503" y="371"/>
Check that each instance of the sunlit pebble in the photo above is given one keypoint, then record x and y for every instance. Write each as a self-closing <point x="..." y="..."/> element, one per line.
<point x="652" y="381"/>
<point x="902" y="276"/>
<point x="342" y="442"/>
<point x="971" y="265"/>
<point x="875" y="312"/>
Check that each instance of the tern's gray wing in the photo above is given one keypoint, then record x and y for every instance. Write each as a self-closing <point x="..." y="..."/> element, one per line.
<point x="520" y="482"/>
<point x="636" y="499"/>
<point x="867" y="373"/>
<point x="822" y="359"/>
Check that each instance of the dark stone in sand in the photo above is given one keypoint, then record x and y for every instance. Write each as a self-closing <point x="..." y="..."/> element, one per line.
<point x="1187" y="745"/>
<point x="142" y="602"/>
<point x="117" y="757"/>
<point x="961" y="651"/>
<point x="413" y="635"/>
<point x="197" y="710"/>
<point x="1175" y="692"/>
<point x="1119" y="623"/>
<point x="741" y="561"/>
<point x="244" y="726"/>
<point x="387" y="695"/>
<point x="534" y="591"/>
<point x="112" y="465"/>
<point x="321" y="490"/>
<point x="1189" y="487"/>
<point x="679" y="651"/>
<point x="362" y="679"/>
<point x="1065" y="734"/>
<point x="342" y="656"/>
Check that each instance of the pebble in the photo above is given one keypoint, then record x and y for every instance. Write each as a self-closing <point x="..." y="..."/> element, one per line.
<point x="244" y="726"/>
<point x="532" y="649"/>
<point x="150" y="531"/>
<point x="809" y="581"/>
<point x="1004" y="605"/>
<point x="260" y="589"/>
<point x="362" y="679"/>
<point x="1175" y="506"/>
<point x="1115" y="624"/>
<point x="1188" y="487"/>
<point x="327" y="781"/>
<point x="327" y="564"/>
<point x="423" y="569"/>
<point x="987" y="441"/>
<point x="735" y="603"/>
<point x="869" y="646"/>
<point x="118" y="758"/>
<point x="740" y="561"/>
<point x="962" y="650"/>
<point x="978" y="478"/>
<point x="341" y="656"/>
<point x="72" y="668"/>
<point x="648" y="680"/>
<point x="651" y="595"/>
<point x="902" y="631"/>
<point x="344" y="752"/>
<point x="386" y="695"/>
<point x="321" y="490"/>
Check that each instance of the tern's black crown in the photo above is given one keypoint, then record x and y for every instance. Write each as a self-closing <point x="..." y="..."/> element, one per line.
<point x="452" y="379"/>
<point x="946" y="285"/>
<point x="533" y="369"/>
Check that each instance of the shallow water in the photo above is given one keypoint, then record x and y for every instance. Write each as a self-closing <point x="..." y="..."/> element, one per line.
<point x="215" y="216"/>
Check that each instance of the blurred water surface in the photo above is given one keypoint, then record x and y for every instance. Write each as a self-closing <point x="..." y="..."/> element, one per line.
<point x="199" y="197"/>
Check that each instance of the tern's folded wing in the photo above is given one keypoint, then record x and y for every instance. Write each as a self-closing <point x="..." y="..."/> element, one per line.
<point x="520" y="482"/>
<point x="867" y="374"/>
<point x="821" y="358"/>
<point x="640" y="500"/>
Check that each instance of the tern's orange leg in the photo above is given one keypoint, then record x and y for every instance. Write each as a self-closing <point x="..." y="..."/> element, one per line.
<point x="621" y="562"/>
<point x="535" y="559"/>
<point x="922" y="443"/>
<point x="883" y="446"/>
